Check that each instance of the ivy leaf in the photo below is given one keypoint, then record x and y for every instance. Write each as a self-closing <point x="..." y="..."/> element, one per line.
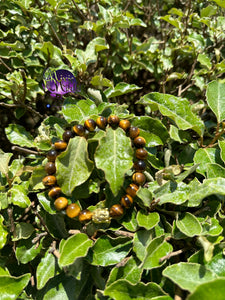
<point x="215" y="170"/>
<point x="73" y="165"/>
<point x="23" y="231"/>
<point x="27" y="251"/>
<point x="19" y="196"/>
<point x="216" y="99"/>
<point x="19" y="136"/>
<point x="142" y="238"/>
<point x="4" y="162"/>
<point x="11" y="287"/>
<point x="114" y="156"/>
<point x="120" y="89"/>
<point x="147" y="220"/>
<point x="189" y="224"/>
<point x="3" y="233"/>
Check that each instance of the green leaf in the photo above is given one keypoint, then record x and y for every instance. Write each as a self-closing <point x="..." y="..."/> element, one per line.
<point x="73" y="165"/>
<point x="147" y="220"/>
<point x="211" y="227"/>
<point x="216" y="99"/>
<point x="124" y="290"/>
<point x="206" y="156"/>
<point x="215" y="170"/>
<point x="145" y="197"/>
<point x="46" y="269"/>
<point x="74" y="247"/>
<point x="27" y="251"/>
<point x="221" y="3"/>
<point x="129" y="221"/>
<point x="107" y="251"/>
<point x="4" y="162"/>
<point x="12" y="287"/>
<point x="19" y="196"/>
<point x="142" y="238"/>
<point x="189" y="224"/>
<point x="217" y="264"/>
<point x="178" y="109"/>
<point x="222" y="149"/>
<point x="156" y="249"/>
<point x="19" y="136"/>
<point x="114" y="156"/>
<point x="23" y="231"/>
<point x="46" y="203"/>
<point x="204" y="60"/>
<point x="121" y="89"/>
<point x="188" y="275"/>
<point x="3" y="233"/>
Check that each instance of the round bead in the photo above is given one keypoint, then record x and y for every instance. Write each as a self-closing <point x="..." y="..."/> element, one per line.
<point x="139" y="142"/>
<point x="116" y="211"/>
<point x="50" y="168"/>
<point x="124" y="124"/>
<point x="55" y="192"/>
<point x="132" y="189"/>
<point x="51" y="155"/>
<point x="72" y="210"/>
<point x="79" y="129"/>
<point x="126" y="201"/>
<point x="85" y="215"/>
<point x="139" y="165"/>
<point x="49" y="180"/>
<point x="139" y="178"/>
<point x="67" y="135"/>
<point x="134" y="132"/>
<point x="141" y="153"/>
<point x="101" y="122"/>
<point x="60" y="145"/>
<point x="61" y="203"/>
<point x="113" y="121"/>
<point x="90" y="124"/>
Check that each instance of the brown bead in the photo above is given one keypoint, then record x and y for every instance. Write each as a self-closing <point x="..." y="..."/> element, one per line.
<point x="85" y="215"/>
<point x="79" y="130"/>
<point x="141" y="153"/>
<point x="72" y="210"/>
<point x="139" y="178"/>
<point x="132" y="189"/>
<point x="61" y="203"/>
<point x="90" y="124"/>
<point x="116" y="211"/>
<point x="139" y="165"/>
<point x="55" y="192"/>
<point x="124" y="124"/>
<point x="113" y="121"/>
<point x="51" y="155"/>
<point x="139" y="142"/>
<point x="134" y="132"/>
<point x="126" y="201"/>
<point x="60" y="145"/>
<point x="101" y="122"/>
<point x="49" y="180"/>
<point x="50" y="168"/>
<point x="67" y="135"/>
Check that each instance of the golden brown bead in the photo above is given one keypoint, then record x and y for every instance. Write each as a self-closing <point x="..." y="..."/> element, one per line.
<point x="139" y="165"/>
<point x="139" y="142"/>
<point x="116" y="211"/>
<point x="55" y="192"/>
<point x="126" y="201"/>
<point x="85" y="215"/>
<point x="61" y="203"/>
<point x="51" y="155"/>
<point x="90" y="124"/>
<point x="132" y="189"/>
<point x="67" y="135"/>
<point x="141" y="153"/>
<point x="49" y="180"/>
<point x="124" y="124"/>
<point x="101" y="122"/>
<point x="60" y="145"/>
<point x="72" y="210"/>
<point x="139" y="178"/>
<point x="134" y="132"/>
<point x="79" y="129"/>
<point x="113" y="121"/>
<point x="50" y="168"/>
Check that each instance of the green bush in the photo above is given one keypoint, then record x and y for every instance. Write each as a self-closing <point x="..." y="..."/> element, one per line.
<point x="158" y="64"/>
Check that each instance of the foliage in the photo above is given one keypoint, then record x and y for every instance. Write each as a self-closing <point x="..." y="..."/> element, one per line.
<point x="157" y="63"/>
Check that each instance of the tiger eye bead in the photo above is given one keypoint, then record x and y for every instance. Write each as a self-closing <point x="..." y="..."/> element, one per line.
<point x="72" y="210"/>
<point x="126" y="201"/>
<point x="101" y="122"/>
<point x="67" y="135"/>
<point x="61" y="203"/>
<point x="139" y="178"/>
<point x="125" y="125"/>
<point x="141" y="153"/>
<point x="132" y="189"/>
<point x="134" y="132"/>
<point x="79" y="129"/>
<point x="55" y="192"/>
<point x="50" y="168"/>
<point x="51" y="155"/>
<point x="139" y="165"/>
<point x="60" y="145"/>
<point x="49" y="180"/>
<point x="90" y="124"/>
<point x="85" y="215"/>
<point x="113" y="121"/>
<point x="139" y="142"/>
<point x="116" y="211"/>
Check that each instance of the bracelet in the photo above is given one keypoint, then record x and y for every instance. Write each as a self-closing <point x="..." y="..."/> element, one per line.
<point x="138" y="178"/>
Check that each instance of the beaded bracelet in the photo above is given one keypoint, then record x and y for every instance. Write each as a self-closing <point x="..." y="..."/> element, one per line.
<point x="117" y="210"/>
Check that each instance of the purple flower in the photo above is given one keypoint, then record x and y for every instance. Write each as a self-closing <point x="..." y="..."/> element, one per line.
<point x="59" y="82"/>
